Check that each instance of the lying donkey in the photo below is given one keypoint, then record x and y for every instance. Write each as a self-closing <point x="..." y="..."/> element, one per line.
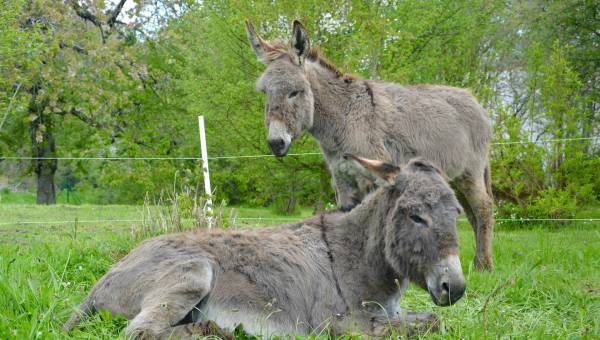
<point x="339" y="272"/>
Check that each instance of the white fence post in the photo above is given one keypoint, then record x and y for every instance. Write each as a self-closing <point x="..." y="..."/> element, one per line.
<point x="206" y="174"/>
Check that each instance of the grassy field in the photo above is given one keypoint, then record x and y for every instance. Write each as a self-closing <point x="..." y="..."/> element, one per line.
<point x="546" y="282"/>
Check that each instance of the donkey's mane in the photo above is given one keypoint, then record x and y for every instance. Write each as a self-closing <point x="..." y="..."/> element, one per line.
<point x="278" y="49"/>
<point x="315" y="55"/>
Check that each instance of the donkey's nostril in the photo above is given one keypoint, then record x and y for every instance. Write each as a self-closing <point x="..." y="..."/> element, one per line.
<point x="452" y="292"/>
<point x="445" y="287"/>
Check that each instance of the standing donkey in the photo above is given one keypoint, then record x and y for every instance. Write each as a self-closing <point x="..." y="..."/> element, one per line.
<point x="380" y="120"/>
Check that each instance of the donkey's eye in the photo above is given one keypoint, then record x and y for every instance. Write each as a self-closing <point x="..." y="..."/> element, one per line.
<point x="293" y="94"/>
<point x="417" y="219"/>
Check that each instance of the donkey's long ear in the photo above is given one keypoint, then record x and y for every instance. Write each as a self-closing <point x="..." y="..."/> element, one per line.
<point x="300" y="43"/>
<point x="420" y="164"/>
<point x="259" y="46"/>
<point x="385" y="171"/>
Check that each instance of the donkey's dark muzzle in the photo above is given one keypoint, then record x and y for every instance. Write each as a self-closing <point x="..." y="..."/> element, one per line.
<point x="448" y="294"/>
<point x="445" y="281"/>
<point x="279" y="147"/>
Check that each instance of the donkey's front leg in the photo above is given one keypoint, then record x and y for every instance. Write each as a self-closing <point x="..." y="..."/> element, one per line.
<point x="410" y="323"/>
<point x="348" y="194"/>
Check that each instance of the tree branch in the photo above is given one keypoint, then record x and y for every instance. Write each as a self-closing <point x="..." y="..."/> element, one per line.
<point x="85" y="14"/>
<point x="112" y="19"/>
<point x="74" y="46"/>
<point x="426" y="37"/>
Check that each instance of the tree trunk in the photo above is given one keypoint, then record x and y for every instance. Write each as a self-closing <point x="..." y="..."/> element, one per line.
<point x="43" y="146"/>
<point x="291" y="201"/>
<point x="46" y="193"/>
<point x="375" y="59"/>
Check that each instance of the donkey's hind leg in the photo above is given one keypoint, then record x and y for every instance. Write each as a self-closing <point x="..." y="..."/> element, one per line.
<point x="479" y="210"/>
<point x="177" y="292"/>
<point x="85" y="308"/>
<point x="199" y="329"/>
<point x="467" y="208"/>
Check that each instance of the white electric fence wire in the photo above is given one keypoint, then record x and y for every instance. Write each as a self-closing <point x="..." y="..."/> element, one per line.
<point x="254" y="156"/>
<point x="288" y="219"/>
<point x="267" y="156"/>
<point x="542" y="141"/>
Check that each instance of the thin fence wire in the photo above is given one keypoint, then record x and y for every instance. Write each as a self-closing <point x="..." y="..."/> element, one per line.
<point x="269" y="156"/>
<point x="283" y="219"/>
<point x="25" y="158"/>
<point x="542" y="141"/>
<point x="547" y="219"/>
<point x="22" y="158"/>
<point x="138" y="220"/>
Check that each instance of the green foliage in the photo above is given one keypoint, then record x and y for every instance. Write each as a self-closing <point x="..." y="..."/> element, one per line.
<point x="553" y="203"/>
<point x="67" y="82"/>
<point x="203" y="61"/>
<point x="138" y="89"/>
<point x="552" y="179"/>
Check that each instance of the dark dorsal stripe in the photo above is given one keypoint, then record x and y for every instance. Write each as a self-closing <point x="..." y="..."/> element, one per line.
<point x="332" y="263"/>
<point x="370" y="92"/>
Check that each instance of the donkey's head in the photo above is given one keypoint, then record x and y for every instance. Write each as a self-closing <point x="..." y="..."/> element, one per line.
<point x="290" y="102"/>
<point x="420" y="229"/>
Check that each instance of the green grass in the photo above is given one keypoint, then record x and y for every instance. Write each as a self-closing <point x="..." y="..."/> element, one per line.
<point x="12" y="215"/>
<point x="546" y="282"/>
<point x="63" y="196"/>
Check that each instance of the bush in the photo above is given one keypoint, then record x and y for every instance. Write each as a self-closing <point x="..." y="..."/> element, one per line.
<point x="553" y="203"/>
<point x="285" y="205"/>
<point x="548" y="204"/>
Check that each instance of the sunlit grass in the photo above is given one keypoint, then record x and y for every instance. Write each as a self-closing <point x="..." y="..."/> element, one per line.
<point x="546" y="281"/>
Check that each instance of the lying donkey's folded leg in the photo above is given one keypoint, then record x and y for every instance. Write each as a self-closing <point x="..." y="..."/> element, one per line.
<point x="175" y="296"/>
<point x="199" y="329"/>
<point x="422" y="322"/>
<point x="410" y="323"/>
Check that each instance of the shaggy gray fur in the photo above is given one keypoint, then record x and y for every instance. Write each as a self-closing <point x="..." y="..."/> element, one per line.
<point x="338" y="272"/>
<point x="375" y="119"/>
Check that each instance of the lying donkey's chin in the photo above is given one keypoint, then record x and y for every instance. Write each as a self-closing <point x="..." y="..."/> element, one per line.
<point x="445" y="281"/>
<point x="279" y="138"/>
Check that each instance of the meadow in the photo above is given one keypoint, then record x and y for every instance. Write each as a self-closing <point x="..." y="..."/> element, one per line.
<point x="546" y="281"/>
<point x="100" y="100"/>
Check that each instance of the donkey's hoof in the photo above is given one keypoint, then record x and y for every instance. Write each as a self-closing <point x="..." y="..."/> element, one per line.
<point x="141" y="334"/>
<point x="200" y="330"/>
<point x="483" y="264"/>
<point x="413" y="324"/>
<point x="422" y="323"/>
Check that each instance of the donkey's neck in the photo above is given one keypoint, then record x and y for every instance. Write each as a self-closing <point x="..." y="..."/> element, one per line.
<point x="357" y="245"/>
<point x="368" y="220"/>
<point x="339" y="100"/>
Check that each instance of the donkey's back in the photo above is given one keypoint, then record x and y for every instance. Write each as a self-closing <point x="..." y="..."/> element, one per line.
<point x="441" y="123"/>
